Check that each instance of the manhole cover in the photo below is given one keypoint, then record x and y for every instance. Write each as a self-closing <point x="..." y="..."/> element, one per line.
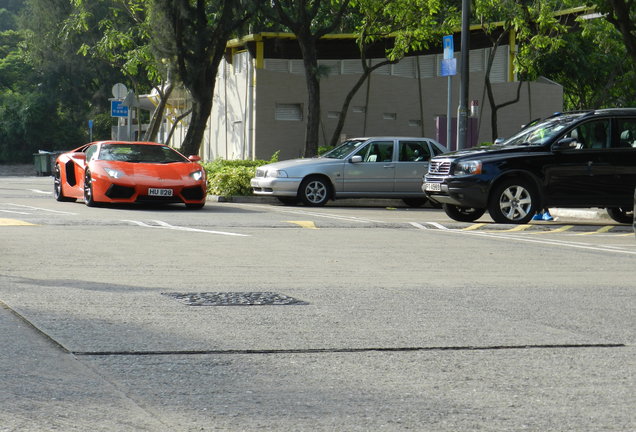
<point x="234" y="299"/>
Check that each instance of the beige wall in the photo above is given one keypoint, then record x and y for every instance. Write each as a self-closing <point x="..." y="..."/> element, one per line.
<point x="229" y="126"/>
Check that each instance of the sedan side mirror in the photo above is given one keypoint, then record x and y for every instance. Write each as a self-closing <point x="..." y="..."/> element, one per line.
<point x="565" y="144"/>
<point x="356" y="159"/>
<point x="194" y="158"/>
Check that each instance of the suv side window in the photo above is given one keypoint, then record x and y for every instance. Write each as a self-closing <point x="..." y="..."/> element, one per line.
<point x="414" y="151"/>
<point x="591" y="135"/>
<point x="626" y="133"/>
<point x="377" y="151"/>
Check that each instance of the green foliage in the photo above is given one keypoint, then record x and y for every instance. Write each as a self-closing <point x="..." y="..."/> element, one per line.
<point x="232" y="177"/>
<point x="598" y="72"/>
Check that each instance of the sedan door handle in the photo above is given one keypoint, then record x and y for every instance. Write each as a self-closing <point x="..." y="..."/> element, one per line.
<point x="389" y="166"/>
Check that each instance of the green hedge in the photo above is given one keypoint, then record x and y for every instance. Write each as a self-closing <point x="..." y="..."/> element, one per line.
<point x="232" y="177"/>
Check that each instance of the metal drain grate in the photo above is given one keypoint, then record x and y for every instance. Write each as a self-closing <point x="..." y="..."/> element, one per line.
<point x="234" y="299"/>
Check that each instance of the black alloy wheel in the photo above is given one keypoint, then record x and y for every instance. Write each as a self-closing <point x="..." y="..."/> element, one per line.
<point x="463" y="214"/>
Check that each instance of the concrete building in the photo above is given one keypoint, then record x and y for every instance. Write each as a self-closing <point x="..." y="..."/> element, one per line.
<point x="260" y="96"/>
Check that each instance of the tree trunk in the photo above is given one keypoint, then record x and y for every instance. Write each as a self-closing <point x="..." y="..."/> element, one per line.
<point x="310" y="60"/>
<point x="157" y="115"/>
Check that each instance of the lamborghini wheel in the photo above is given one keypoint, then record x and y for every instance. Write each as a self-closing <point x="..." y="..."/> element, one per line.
<point x="88" y="190"/>
<point x="57" y="186"/>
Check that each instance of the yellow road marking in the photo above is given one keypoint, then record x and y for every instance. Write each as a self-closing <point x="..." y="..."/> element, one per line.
<point x="598" y="231"/>
<point x="474" y="227"/>
<point x="556" y="230"/>
<point x="517" y="228"/>
<point x="14" y="222"/>
<point x="304" y="224"/>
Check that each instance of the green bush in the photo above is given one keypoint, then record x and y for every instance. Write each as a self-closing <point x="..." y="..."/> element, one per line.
<point x="232" y="177"/>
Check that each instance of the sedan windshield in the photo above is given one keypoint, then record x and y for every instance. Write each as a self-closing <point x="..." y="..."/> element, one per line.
<point x="541" y="132"/>
<point x="344" y="149"/>
<point x="140" y="153"/>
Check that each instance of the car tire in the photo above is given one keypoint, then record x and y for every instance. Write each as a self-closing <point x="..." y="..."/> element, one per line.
<point x="621" y="215"/>
<point x="57" y="186"/>
<point x="315" y="191"/>
<point x="414" y="202"/>
<point x="463" y="214"/>
<point x="88" y="191"/>
<point x="514" y="202"/>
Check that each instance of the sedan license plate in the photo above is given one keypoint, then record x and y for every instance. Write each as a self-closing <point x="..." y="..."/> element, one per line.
<point x="433" y="187"/>
<point x="159" y="192"/>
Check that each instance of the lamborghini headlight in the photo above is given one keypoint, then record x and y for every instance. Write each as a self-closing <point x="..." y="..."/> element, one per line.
<point x="197" y="175"/>
<point x="113" y="173"/>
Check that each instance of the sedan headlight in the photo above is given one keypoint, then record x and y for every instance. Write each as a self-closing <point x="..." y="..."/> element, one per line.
<point x="276" y="173"/>
<point x="113" y="173"/>
<point x="197" y="175"/>
<point x="471" y="167"/>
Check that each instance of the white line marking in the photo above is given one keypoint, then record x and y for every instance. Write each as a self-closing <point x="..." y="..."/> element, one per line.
<point x="16" y="212"/>
<point x="310" y="213"/>
<point x="41" y="191"/>
<point x="528" y="239"/>
<point x="439" y="226"/>
<point x="418" y="226"/>
<point x="40" y="208"/>
<point x="166" y="225"/>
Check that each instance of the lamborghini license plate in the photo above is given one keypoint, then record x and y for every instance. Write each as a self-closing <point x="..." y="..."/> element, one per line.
<point x="159" y="192"/>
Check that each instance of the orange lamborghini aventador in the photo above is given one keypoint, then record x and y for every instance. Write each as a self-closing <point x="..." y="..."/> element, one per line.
<point x="128" y="172"/>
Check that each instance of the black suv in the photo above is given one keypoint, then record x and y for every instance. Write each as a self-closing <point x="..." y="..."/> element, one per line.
<point x="577" y="159"/>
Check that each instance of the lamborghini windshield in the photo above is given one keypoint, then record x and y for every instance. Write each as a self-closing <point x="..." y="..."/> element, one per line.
<point x="140" y="153"/>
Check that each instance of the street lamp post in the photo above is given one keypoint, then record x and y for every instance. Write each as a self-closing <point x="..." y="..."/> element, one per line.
<point x="462" y="110"/>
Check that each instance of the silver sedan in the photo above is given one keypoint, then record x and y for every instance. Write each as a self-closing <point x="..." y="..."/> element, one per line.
<point x="377" y="167"/>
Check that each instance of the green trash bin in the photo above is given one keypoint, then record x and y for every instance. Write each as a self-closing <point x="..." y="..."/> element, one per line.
<point x="42" y="161"/>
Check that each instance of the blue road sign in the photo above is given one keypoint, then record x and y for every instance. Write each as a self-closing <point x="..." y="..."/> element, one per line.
<point x="449" y="67"/>
<point x="117" y="109"/>
<point x="449" y="47"/>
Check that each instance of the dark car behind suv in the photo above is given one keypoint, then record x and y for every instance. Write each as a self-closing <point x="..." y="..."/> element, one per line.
<point x="577" y="160"/>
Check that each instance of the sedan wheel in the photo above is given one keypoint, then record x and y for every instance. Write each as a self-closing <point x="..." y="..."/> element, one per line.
<point x="513" y="202"/>
<point x="463" y="214"/>
<point x="88" y="190"/>
<point x="621" y="215"/>
<point x="315" y="191"/>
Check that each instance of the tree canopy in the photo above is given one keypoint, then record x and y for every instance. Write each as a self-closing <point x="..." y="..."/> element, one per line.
<point x="60" y="58"/>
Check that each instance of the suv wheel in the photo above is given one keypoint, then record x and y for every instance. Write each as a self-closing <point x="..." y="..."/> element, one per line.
<point x="621" y="215"/>
<point x="513" y="201"/>
<point x="463" y="214"/>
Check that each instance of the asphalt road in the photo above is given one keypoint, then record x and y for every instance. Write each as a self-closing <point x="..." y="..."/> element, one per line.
<point x="377" y="318"/>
